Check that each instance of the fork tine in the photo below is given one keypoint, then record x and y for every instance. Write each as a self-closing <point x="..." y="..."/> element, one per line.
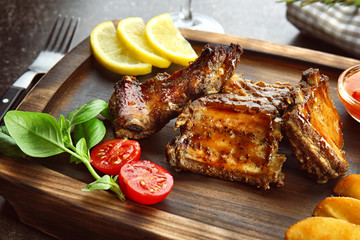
<point x="58" y="31"/>
<point x="50" y="38"/>
<point x="62" y="41"/>
<point x="69" y="35"/>
<point x="63" y="28"/>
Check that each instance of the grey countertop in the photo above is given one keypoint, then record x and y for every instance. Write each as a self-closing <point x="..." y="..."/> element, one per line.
<point x="25" y="25"/>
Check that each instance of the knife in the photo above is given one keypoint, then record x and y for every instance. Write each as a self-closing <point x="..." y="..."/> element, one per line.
<point x="11" y="98"/>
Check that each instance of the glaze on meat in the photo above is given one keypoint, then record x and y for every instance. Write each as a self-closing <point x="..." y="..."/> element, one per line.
<point x="279" y="94"/>
<point x="314" y="128"/>
<point x="231" y="137"/>
<point x="141" y="109"/>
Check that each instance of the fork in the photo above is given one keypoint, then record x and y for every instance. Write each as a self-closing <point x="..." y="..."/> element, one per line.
<point x="57" y="44"/>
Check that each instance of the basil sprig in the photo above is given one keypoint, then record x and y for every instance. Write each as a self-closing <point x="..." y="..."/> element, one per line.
<point x="41" y="135"/>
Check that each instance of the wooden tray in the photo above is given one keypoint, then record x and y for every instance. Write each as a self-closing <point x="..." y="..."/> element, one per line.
<point x="46" y="193"/>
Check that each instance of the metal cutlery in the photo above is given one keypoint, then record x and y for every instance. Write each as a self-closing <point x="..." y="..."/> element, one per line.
<point x="58" y="43"/>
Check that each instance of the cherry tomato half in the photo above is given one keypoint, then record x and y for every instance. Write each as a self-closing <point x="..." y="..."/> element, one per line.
<point x="108" y="157"/>
<point x="145" y="182"/>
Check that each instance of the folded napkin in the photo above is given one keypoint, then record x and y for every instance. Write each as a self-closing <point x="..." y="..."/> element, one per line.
<point x="338" y="25"/>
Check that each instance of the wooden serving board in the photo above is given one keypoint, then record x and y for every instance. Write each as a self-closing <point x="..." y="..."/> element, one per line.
<point x="46" y="193"/>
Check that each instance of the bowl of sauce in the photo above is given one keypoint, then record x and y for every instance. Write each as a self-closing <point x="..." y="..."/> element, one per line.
<point x="349" y="91"/>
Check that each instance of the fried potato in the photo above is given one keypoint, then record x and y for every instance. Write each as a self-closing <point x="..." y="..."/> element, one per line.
<point x="344" y="208"/>
<point x="323" y="228"/>
<point x="349" y="186"/>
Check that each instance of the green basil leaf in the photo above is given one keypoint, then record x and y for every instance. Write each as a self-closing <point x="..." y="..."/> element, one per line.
<point x="8" y="146"/>
<point x="65" y="130"/>
<point x="36" y="134"/>
<point x="82" y="149"/>
<point x="3" y="129"/>
<point x="93" y="131"/>
<point x="87" y="111"/>
<point x="106" y="113"/>
<point x="74" y="159"/>
<point x="103" y="183"/>
<point x="62" y="123"/>
<point x="106" y="183"/>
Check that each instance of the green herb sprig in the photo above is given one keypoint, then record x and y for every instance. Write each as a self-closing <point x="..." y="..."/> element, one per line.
<point x="40" y="135"/>
<point x="328" y="2"/>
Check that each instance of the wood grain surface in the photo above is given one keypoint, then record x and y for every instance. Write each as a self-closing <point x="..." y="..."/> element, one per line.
<point x="46" y="193"/>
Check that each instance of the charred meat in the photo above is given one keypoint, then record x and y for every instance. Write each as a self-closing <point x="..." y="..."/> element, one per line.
<point x="314" y="128"/>
<point x="141" y="109"/>
<point x="279" y="94"/>
<point x="231" y="137"/>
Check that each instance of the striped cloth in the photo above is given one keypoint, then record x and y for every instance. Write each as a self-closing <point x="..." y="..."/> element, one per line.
<point x="338" y="25"/>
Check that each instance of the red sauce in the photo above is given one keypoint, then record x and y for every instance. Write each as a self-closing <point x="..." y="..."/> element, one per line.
<point x="352" y="86"/>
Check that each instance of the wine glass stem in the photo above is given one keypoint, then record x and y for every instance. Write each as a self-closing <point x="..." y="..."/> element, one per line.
<point x="186" y="13"/>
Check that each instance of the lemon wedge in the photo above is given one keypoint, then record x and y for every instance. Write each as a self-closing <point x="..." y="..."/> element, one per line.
<point x="110" y="53"/>
<point x="131" y="33"/>
<point x="167" y="40"/>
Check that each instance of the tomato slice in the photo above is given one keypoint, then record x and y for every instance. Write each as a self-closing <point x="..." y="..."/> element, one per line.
<point x="108" y="157"/>
<point x="145" y="182"/>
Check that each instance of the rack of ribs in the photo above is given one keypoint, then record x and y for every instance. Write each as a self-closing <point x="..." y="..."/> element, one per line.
<point x="231" y="137"/>
<point x="141" y="109"/>
<point x="313" y="128"/>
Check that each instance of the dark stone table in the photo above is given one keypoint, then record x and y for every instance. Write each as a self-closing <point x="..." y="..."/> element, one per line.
<point x="25" y="25"/>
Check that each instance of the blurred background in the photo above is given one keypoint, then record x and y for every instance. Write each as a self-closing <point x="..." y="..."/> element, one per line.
<point x="25" y="24"/>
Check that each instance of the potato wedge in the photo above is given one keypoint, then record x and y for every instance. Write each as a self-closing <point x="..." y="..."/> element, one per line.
<point x="349" y="186"/>
<point x="344" y="208"/>
<point x="323" y="228"/>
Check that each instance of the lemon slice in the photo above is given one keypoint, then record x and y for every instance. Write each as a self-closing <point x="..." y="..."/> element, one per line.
<point x="131" y="32"/>
<point x="167" y="40"/>
<point x="110" y="53"/>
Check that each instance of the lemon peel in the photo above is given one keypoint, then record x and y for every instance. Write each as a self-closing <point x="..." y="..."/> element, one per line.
<point x="167" y="40"/>
<point x="111" y="54"/>
<point x="131" y="33"/>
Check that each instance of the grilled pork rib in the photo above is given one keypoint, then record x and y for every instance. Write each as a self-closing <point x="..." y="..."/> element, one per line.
<point x="314" y="128"/>
<point x="230" y="137"/>
<point x="141" y="109"/>
<point x="279" y="94"/>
